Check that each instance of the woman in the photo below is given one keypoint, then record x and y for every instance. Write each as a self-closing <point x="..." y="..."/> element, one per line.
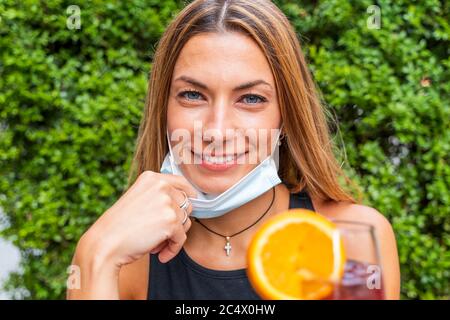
<point x="227" y="65"/>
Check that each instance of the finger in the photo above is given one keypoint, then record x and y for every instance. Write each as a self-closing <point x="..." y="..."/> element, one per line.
<point x="187" y="225"/>
<point x="180" y="182"/>
<point x="183" y="216"/>
<point x="159" y="247"/>
<point x="174" y="245"/>
<point x="179" y="197"/>
<point x="181" y="213"/>
<point x="164" y="244"/>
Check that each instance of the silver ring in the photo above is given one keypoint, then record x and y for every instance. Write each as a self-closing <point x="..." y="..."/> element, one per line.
<point x="185" y="217"/>
<point x="185" y="203"/>
<point x="184" y="206"/>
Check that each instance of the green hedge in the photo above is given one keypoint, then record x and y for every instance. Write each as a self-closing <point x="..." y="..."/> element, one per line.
<point x="71" y="101"/>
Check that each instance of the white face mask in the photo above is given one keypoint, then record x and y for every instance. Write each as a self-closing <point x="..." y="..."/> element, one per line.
<point x="259" y="180"/>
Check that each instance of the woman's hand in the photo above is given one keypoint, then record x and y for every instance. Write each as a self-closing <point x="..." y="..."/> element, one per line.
<point x="146" y="219"/>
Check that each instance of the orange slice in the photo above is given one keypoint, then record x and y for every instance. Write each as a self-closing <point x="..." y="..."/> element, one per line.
<point x="297" y="254"/>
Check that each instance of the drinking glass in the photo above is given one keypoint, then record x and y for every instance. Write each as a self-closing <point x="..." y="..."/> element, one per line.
<point x="362" y="278"/>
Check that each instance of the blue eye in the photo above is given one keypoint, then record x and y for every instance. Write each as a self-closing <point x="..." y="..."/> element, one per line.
<point x="190" y="94"/>
<point x="254" y="99"/>
<point x="195" y="95"/>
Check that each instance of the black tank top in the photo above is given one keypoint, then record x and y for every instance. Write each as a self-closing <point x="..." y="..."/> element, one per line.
<point x="182" y="278"/>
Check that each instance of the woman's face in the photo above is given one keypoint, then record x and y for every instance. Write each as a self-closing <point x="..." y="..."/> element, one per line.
<point x="222" y="100"/>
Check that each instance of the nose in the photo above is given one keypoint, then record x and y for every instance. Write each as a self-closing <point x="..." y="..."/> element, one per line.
<point x="219" y="122"/>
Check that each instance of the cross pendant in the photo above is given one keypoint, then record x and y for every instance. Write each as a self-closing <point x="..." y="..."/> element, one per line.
<point x="228" y="246"/>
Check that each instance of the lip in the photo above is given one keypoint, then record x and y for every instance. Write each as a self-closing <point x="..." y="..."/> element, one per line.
<point x="217" y="167"/>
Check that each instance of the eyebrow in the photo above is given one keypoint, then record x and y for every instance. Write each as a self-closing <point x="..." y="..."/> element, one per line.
<point x="243" y="86"/>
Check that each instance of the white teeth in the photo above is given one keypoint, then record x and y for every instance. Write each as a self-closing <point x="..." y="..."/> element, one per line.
<point x="218" y="159"/>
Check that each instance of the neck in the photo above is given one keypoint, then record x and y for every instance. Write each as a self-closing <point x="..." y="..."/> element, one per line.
<point x="239" y="219"/>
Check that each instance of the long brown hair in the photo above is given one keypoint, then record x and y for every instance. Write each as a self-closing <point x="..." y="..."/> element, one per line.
<point x="307" y="157"/>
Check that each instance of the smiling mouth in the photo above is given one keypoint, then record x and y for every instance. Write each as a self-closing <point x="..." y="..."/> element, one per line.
<point x="219" y="159"/>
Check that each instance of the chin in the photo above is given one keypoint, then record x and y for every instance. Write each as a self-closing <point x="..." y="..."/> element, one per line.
<point x="215" y="185"/>
<point x="214" y="188"/>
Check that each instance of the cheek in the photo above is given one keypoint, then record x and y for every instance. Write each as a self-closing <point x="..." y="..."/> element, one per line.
<point x="179" y="117"/>
<point x="173" y="117"/>
<point x="267" y="118"/>
<point x="268" y="123"/>
<point x="275" y="116"/>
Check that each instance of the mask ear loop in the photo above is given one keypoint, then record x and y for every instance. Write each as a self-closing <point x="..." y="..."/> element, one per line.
<point x="275" y="151"/>
<point x="171" y="159"/>
<point x="282" y="135"/>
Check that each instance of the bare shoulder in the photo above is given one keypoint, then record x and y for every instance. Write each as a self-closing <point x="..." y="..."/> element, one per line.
<point x="360" y="213"/>
<point x="133" y="279"/>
